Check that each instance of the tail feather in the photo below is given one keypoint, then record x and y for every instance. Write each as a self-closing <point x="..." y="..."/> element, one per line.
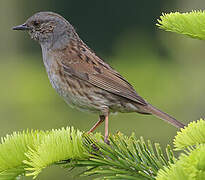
<point x="151" y="109"/>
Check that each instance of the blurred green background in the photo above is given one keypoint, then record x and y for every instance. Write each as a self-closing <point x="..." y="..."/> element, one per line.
<point x="165" y="68"/>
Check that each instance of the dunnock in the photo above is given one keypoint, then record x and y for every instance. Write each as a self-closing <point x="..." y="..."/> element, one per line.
<point x="83" y="79"/>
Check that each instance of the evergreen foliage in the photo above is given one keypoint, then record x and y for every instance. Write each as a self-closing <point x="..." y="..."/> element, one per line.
<point x="125" y="158"/>
<point x="191" y="163"/>
<point x="29" y="152"/>
<point x="12" y="152"/>
<point x="190" y="24"/>
<point x="57" y="145"/>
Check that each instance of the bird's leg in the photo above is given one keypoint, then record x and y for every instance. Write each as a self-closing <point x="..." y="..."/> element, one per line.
<point x="106" y="131"/>
<point x="101" y="119"/>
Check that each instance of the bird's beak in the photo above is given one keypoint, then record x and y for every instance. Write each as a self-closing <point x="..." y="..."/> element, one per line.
<point x="22" y="27"/>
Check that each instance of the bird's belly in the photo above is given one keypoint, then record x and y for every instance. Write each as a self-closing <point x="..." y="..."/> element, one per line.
<point x="77" y="94"/>
<point x="86" y="97"/>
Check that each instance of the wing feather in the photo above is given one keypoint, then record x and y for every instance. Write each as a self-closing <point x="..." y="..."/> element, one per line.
<point x="106" y="79"/>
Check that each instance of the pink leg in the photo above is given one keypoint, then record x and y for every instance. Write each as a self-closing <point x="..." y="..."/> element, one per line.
<point x="101" y="119"/>
<point x="106" y="130"/>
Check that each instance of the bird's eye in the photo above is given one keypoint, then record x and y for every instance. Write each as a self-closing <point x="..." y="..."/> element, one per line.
<point x="36" y="23"/>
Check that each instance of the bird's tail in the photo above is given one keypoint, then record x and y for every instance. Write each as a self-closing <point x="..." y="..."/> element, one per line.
<point x="152" y="110"/>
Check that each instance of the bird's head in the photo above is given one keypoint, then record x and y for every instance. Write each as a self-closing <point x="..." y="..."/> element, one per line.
<point x="47" y="28"/>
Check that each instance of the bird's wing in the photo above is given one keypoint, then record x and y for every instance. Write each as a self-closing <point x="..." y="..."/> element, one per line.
<point x="80" y="61"/>
<point x="102" y="76"/>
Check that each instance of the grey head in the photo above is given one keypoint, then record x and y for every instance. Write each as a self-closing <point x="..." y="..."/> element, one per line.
<point x="48" y="28"/>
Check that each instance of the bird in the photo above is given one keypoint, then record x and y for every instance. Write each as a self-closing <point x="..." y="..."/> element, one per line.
<point x="83" y="79"/>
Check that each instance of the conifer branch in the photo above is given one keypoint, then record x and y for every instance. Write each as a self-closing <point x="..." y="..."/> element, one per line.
<point x="29" y="152"/>
<point x="190" y="24"/>
<point x="191" y="161"/>
<point x="12" y="152"/>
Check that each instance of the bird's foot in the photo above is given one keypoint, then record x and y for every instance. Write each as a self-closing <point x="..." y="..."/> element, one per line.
<point x="106" y="141"/>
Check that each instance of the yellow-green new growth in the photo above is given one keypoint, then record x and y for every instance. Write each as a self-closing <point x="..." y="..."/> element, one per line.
<point x="34" y="150"/>
<point x="191" y="163"/>
<point x="30" y="152"/>
<point x="190" y="166"/>
<point x="57" y="145"/>
<point x="191" y="24"/>
<point x="12" y="152"/>
<point x="192" y="135"/>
